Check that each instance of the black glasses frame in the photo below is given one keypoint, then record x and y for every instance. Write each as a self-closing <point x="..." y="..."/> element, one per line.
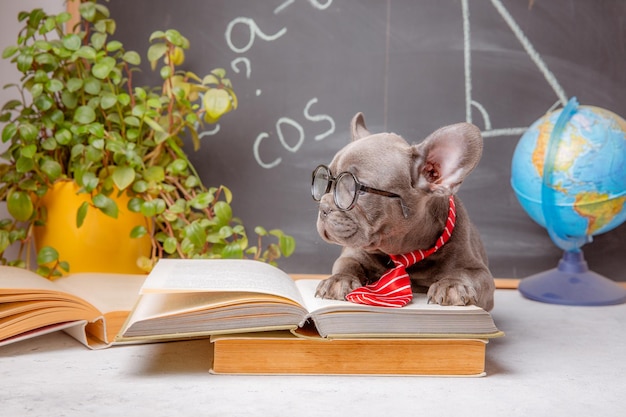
<point x="360" y="187"/>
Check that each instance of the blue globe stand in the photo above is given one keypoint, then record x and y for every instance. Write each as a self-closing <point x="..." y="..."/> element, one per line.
<point x="572" y="283"/>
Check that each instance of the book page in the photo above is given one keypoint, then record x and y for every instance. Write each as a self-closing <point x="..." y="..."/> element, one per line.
<point x="219" y="275"/>
<point x="312" y="303"/>
<point x="107" y="292"/>
<point x="18" y="278"/>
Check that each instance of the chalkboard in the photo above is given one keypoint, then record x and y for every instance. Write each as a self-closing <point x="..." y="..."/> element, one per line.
<point x="303" y="68"/>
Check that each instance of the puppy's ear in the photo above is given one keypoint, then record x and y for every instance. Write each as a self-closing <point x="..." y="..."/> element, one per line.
<point x="446" y="157"/>
<point x="357" y="127"/>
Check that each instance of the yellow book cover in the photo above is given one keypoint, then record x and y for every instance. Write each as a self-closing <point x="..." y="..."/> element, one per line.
<point x="285" y="353"/>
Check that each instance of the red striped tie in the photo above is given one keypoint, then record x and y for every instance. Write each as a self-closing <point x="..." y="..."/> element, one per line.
<point x="393" y="289"/>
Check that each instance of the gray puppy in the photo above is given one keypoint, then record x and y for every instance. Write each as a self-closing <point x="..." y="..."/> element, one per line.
<point x="402" y="206"/>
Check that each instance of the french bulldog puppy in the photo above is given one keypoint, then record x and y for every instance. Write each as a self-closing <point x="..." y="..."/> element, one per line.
<point x="418" y="181"/>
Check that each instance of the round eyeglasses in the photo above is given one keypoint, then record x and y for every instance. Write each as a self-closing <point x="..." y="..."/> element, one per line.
<point x="347" y="189"/>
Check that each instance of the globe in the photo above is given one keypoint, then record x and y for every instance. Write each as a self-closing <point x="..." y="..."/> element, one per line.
<point x="569" y="174"/>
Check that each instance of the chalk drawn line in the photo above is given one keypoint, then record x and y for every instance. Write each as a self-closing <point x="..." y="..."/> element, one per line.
<point x="530" y="50"/>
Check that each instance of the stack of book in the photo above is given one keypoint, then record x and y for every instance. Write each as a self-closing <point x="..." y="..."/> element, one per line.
<point x="259" y="319"/>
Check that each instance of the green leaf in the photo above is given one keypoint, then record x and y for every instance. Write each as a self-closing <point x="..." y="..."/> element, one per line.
<point x="174" y="37"/>
<point x="223" y="212"/>
<point x="89" y="181"/>
<point x="140" y="187"/>
<point x="87" y="11"/>
<point x="123" y="99"/>
<point x="52" y="169"/>
<point x="98" y="40"/>
<point x="156" y="34"/>
<point x="9" y="132"/>
<point x="69" y="99"/>
<point x="232" y="251"/>
<point x="154" y="173"/>
<point x="94" y="154"/>
<point x="108" y="26"/>
<point x="23" y="165"/>
<point x="19" y="205"/>
<point x="86" y="52"/>
<point x="114" y="46"/>
<point x="63" y="136"/>
<point x="81" y="213"/>
<point x="57" y="117"/>
<point x="44" y="102"/>
<point x="11" y="104"/>
<point x="220" y="72"/>
<point x="138" y="231"/>
<point x="108" y="100"/>
<point x="48" y="25"/>
<point x="49" y="144"/>
<point x="166" y="72"/>
<point x="106" y="205"/>
<point x="102" y="69"/>
<point x="153" y="124"/>
<point x="36" y="90"/>
<point x="169" y="245"/>
<point x="134" y="204"/>
<point x="123" y="177"/>
<point x="97" y="130"/>
<point x="177" y="166"/>
<point x="287" y="245"/>
<point x="74" y="84"/>
<point x="228" y="195"/>
<point x="217" y="102"/>
<point x="28" y="151"/>
<point x="210" y="79"/>
<point x="47" y="254"/>
<point x="4" y="240"/>
<point x="47" y="60"/>
<point x="63" y="17"/>
<point x="155" y="52"/>
<point x="24" y="62"/>
<point x="42" y="45"/>
<point x="54" y="86"/>
<point x="28" y="132"/>
<point x="132" y="121"/>
<point x="149" y="208"/>
<point x="72" y="42"/>
<point x="195" y="233"/>
<point x="202" y="201"/>
<point x="84" y="115"/>
<point x="64" y="265"/>
<point x="159" y="205"/>
<point x="132" y="58"/>
<point x="8" y="52"/>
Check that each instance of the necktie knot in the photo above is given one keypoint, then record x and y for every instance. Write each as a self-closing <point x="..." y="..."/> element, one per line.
<point x="393" y="289"/>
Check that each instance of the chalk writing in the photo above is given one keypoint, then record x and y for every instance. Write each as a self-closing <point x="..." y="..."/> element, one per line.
<point x="286" y="121"/>
<point x="283" y="124"/>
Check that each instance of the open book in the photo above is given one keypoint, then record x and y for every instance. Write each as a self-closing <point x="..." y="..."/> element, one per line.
<point x="91" y="307"/>
<point x="192" y="298"/>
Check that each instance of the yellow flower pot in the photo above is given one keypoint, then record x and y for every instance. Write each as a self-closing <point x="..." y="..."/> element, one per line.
<point x="102" y="243"/>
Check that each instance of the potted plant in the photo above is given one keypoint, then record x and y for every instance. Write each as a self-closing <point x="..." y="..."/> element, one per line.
<point x="80" y="118"/>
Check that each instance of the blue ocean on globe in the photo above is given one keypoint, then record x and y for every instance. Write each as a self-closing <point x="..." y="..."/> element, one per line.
<point x="569" y="173"/>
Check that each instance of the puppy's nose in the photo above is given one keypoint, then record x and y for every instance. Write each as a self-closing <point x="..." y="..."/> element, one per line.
<point x="325" y="209"/>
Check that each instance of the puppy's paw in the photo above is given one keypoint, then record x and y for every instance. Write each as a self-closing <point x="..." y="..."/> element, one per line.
<point x="337" y="286"/>
<point x="451" y="292"/>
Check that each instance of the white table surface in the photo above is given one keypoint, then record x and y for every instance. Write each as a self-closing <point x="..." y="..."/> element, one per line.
<point x="553" y="361"/>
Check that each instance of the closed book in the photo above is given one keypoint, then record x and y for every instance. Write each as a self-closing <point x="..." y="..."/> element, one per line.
<point x="282" y="352"/>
